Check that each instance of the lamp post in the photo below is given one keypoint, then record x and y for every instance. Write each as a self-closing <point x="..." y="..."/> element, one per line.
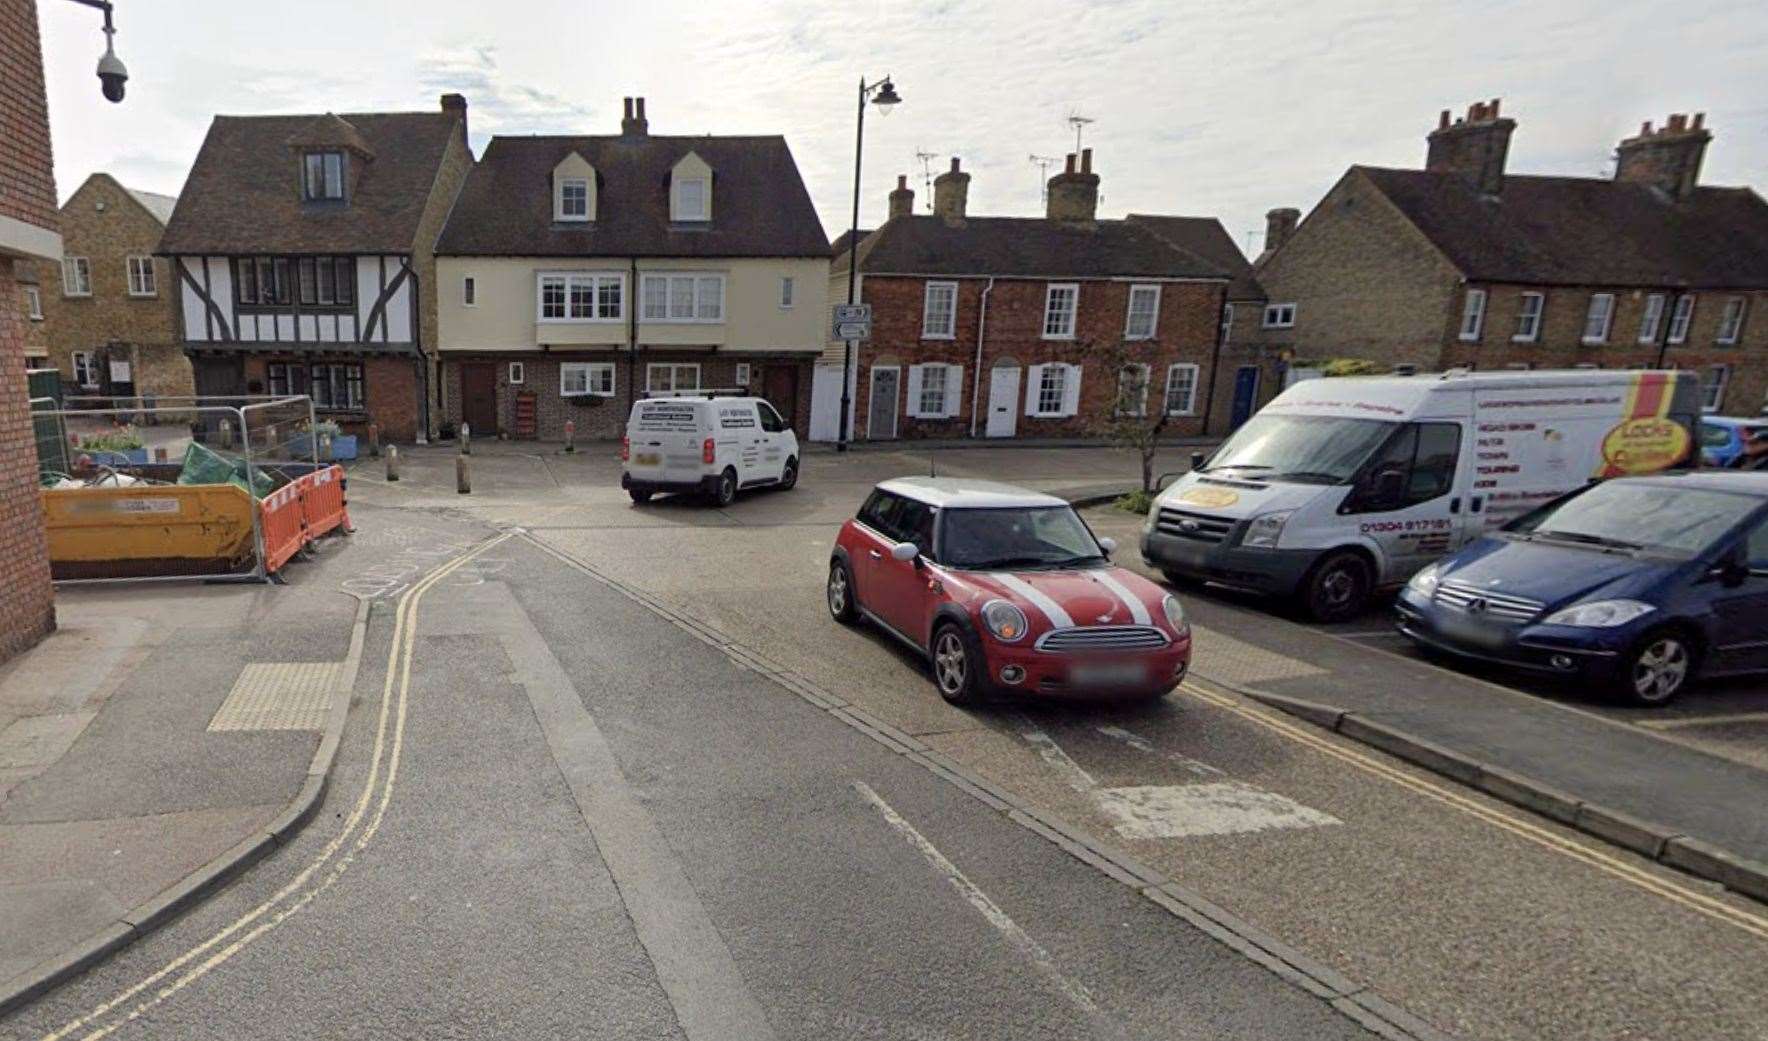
<point x="882" y="94"/>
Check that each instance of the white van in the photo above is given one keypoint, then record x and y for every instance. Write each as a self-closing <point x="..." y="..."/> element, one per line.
<point x="1343" y="486"/>
<point x="701" y="442"/>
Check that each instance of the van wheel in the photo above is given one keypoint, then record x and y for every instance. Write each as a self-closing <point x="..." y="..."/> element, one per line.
<point x="1338" y="587"/>
<point x="789" y="476"/>
<point x="1657" y="669"/>
<point x="638" y="496"/>
<point x="725" y="492"/>
<point x="840" y="594"/>
<point x="957" y="666"/>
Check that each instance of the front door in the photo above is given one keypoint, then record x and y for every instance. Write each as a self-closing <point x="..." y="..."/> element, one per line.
<point x="1003" y="401"/>
<point x="881" y="414"/>
<point x="478" y="397"/>
<point x="780" y="388"/>
<point x="217" y="378"/>
<point x="1245" y="395"/>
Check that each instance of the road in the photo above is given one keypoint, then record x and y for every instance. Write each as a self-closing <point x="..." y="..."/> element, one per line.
<point x="583" y="814"/>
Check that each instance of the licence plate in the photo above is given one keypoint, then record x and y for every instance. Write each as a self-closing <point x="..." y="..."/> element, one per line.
<point x="1107" y="674"/>
<point x="648" y="459"/>
<point x="1476" y="633"/>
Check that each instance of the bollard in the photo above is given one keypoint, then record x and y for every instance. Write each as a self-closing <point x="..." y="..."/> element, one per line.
<point x="392" y="462"/>
<point x="570" y="436"/>
<point x="374" y="440"/>
<point x="466" y="440"/>
<point x="227" y="433"/>
<point x="461" y="484"/>
<point x="270" y="441"/>
<point x="325" y="448"/>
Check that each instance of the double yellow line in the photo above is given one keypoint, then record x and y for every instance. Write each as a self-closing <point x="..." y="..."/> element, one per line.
<point x="389" y="742"/>
<point x="1754" y="924"/>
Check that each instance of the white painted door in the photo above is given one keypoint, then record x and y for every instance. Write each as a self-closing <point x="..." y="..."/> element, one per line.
<point x="1003" y="402"/>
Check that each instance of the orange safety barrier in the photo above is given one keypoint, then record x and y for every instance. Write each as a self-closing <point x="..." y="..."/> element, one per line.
<point x="322" y="501"/>
<point x="285" y="527"/>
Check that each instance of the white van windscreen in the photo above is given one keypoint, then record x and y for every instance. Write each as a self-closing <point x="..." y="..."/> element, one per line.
<point x="1309" y="449"/>
<point x="667" y="417"/>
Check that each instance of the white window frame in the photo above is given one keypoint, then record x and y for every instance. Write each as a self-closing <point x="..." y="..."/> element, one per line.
<point x="85" y="366"/>
<point x="1681" y="319"/>
<point x="1599" y="317"/>
<point x="329" y="183"/>
<point x="929" y="330"/>
<point x="561" y="213"/>
<point x="142" y="277"/>
<point x="1533" y="319"/>
<point x="951" y="383"/>
<point x="1473" y="316"/>
<point x="76" y="276"/>
<point x="469" y="291"/>
<point x="1279" y="316"/>
<point x="1130" y="332"/>
<point x="593" y="373"/>
<point x="33" y="303"/>
<point x="518" y="373"/>
<point x="1227" y="324"/>
<point x="741" y="375"/>
<point x="1712" y="395"/>
<point x="1652" y="319"/>
<point x="1190" y="408"/>
<point x="674" y="368"/>
<point x="696" y="283"/>
<point x="1730" y="322"/>
<point x="1140" y="409"/>
<point x="571" y="280"/>
<point x="1068" y="398"/>
<point x="681" y="211"/>
<point x="788" y="292"/>
<point x="1053" y="292"/>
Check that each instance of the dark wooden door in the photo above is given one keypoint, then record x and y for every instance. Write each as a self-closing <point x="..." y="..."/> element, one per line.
<point x="780" y="388"/>
<point x="478" y="397"/>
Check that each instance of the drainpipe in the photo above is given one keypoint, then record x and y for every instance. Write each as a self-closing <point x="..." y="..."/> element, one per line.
<point x="632" y="305"/>
<point x="976" y="378"/>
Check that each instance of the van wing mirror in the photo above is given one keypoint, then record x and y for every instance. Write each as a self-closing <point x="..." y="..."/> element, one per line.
<point x="905" y="551"/>
<point x="1161" y="482"/>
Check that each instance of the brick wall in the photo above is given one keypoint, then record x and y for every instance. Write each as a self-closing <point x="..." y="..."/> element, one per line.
<point x="1185" y="332"/>
<point x="27" y="167"/>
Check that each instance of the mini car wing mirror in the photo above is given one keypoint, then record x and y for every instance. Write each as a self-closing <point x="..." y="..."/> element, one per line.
<point x="905" y="551"/>
<point x="1109" y="545"/>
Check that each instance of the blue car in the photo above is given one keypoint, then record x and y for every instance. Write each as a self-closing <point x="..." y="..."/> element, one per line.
<point x="1637" y="585"/>
<point x="1722" y="438"/>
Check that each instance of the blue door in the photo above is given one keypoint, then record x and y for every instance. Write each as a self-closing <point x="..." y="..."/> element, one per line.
<point x="1245" y="395"/>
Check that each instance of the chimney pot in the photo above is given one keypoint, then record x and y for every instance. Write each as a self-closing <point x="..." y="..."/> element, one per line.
<point x="1074" y="193"/>
<point x="954" y="164"/>
<point x="902" y="199"/>
<point x="1493" y="107"/>
<point x="1070" y="167"/>
<point x="628" y="114"/>
<point x="1679" y="121"/>
<point x="1443" y="120"/>
<point x="1645" y="129"/>
<point x="634" y="123"/>
<point x="951" y="193"/>
<point x="1086" y="160"/>
<point x="902" y="181"/>
<point x="1700" y="119"/>
<point x="640" y="105"/>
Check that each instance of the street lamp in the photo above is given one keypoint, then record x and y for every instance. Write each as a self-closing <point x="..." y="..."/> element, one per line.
<point x="111" y="73"/>
<point x="882" y="94"/>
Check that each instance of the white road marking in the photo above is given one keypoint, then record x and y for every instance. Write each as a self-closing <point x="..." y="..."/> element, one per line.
<point x="1075" y="991"/>
<point x="1704" y="721"/>
<point x="1142" y="744"/>
<point x="1217" y="808"/>
<point x="1051" y="752"/>
<point x="1138" y="610"/>
<point x="1051" y="609"/>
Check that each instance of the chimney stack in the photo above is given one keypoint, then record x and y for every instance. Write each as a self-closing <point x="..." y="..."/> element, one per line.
<point x="902" y="198"/>
<point x="1669" y="158"/>
<point x="1074" y="194"/>
<point x="633" y="123"/>
<point x="1475" y="147"/>
<point x="1279" y="226"/>
<point x="457" y="104"/>
<point x="951" y="191"/>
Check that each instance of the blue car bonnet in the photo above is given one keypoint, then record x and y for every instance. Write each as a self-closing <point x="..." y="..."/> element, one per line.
<point x="1555" y="574"/>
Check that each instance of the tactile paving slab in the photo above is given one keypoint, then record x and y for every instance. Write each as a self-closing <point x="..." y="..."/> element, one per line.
<point x="291" y="695"/>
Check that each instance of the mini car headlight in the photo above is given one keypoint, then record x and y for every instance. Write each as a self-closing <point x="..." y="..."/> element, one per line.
<point x="1175" y="612"/>
<point x="1600" y="614"/>
<point x="1425" y="580"/>
<point x="1265" y="529"/>
<point x="1005" y="622"/>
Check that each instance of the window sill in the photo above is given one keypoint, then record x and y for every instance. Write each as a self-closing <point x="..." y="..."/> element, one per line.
<point x="580" y="321"/>
<point x="1587" y="342"/>
<point x="144" y="296"/>
<point x="1468" y="339"/>
<point x="938" y="336"/>
<point x="683" y="321"/>
<point x="579" y="393"/>
<point x="1067" y="337"/>
<point x="1522" y="339"/>
<point x="1129" y="338"/>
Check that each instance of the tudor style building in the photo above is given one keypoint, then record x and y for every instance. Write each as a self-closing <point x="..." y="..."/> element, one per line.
<point x="301" y="246"/>
<point x="577" y="273"/>
<point x="996" y="326"/>
<point x="1464" y="264"/>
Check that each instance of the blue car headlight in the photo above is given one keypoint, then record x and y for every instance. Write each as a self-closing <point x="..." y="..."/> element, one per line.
<point x="1600" y="614"/>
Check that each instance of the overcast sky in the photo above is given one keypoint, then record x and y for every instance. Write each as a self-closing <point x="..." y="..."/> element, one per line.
<point x="1216" y="107"/>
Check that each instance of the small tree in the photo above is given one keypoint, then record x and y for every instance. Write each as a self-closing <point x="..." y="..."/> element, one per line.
<point x="1132" y="421"/>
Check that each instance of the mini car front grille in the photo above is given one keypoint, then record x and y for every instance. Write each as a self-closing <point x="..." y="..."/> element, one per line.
<point x="1474" y="600"/>
<point x="1102" y="638"/>
<point x="1184" y="524"/>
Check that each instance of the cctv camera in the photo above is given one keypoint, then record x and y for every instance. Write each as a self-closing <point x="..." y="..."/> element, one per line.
<point x="112" y="75"/>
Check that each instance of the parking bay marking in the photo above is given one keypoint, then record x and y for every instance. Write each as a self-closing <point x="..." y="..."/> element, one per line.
<point x="1754" y="924"/>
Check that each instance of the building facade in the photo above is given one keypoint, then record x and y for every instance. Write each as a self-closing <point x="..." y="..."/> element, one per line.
<point x="108" y="312"/>
<point x="1009" y="327"/>
<point x="28" y="234"/>
<point x="1464" y="264"/>
<point x="302" y="248"/>
<point x="576" y="274"/>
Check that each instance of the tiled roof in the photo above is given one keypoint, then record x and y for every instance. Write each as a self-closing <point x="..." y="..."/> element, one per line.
<point x="760" y="207"/>
<point x="1584" y="231"/>
<point x="1206" y="237"/>
<point x="1031" y="247"/>
<point x="243" y="194"/>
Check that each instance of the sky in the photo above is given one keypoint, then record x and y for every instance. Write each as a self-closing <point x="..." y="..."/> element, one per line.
<point x="1222" y="108"/>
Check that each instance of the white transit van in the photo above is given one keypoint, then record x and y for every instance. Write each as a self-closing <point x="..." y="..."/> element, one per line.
<point x="1342" y="486"/>
<point x="701" y="442"/>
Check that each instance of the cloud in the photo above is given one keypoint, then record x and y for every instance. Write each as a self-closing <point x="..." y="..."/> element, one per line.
<point x="497" y="103"/>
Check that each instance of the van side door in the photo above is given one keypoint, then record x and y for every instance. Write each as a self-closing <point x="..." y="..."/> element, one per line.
<point x="739" y="430"/>
<point x="1406" y="498"/>
<point x="775" y="447"/>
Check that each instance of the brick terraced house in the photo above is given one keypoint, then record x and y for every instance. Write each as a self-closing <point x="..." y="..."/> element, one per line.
<point x="28" y="234"/>
<point x="1463" y="264"/>
<point x="109" y="320"/>
<point x="577" y="273"/>
<point x="995" y="326"/>
<point x="301" y="249"/>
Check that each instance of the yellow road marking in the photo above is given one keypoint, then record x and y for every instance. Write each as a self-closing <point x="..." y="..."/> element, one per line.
<point x="1754" y="924"/>
<point x="398" y="667"/>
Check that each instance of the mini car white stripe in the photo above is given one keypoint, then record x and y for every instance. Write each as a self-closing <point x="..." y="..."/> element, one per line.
<point x="1138" y="611"/>
<point x="1051" y="609"/>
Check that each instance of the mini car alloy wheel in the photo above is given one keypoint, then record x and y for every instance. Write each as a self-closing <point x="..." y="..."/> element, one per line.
<point x="951" y="664"/>
<point x="840" y="595"/>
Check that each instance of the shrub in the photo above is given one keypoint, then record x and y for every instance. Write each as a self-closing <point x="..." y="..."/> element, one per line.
<point x="116" y="439"/>
<point x="1138" y="502"/>
<point x="1351" y="367"/>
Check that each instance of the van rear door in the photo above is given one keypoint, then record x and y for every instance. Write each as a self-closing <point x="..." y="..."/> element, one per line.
<point x="665" y="441"/>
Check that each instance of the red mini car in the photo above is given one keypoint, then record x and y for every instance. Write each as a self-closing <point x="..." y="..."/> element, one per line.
<point x="1005" y="590"/>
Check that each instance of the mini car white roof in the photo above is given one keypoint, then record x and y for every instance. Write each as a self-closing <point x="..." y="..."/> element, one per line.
<point x="967" y="493"/>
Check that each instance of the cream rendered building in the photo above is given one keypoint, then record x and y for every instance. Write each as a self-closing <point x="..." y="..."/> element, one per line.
<point x="578" y="273"/>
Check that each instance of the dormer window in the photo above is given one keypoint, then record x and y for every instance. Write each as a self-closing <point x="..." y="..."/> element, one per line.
<point x="690" y="199"/>
<point x="322" y="176"/>
<point x="574" y="199"/>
